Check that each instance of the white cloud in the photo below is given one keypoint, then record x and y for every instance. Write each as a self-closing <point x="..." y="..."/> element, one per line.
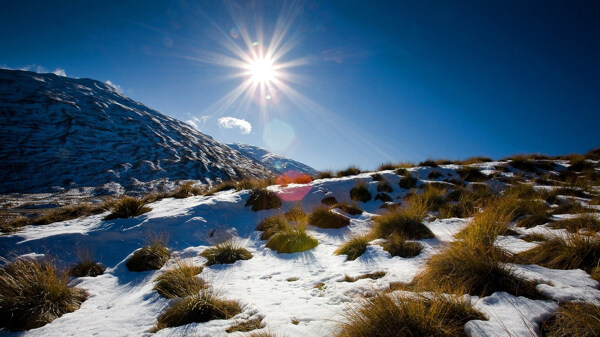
<point x="232" y="122"/>
<point x="192" y="123"/>
<point x="59" y="72"/>
<point x="114" y="86"/>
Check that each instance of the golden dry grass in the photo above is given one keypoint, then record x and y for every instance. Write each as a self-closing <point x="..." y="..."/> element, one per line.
<point x="385" y="315"/>
<point x="34" y="293"/>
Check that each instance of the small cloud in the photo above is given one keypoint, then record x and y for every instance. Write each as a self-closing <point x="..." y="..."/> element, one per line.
<point x="192" y="123"/>
<point x="114" y="86"/>
<point x="59" y="72"/>
<point x="232" y="122"/>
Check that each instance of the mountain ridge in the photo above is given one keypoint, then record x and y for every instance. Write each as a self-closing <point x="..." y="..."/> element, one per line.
<point x="61" y="132"/>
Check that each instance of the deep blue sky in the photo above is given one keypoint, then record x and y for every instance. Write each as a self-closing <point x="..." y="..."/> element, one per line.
<point x="382" y="81"/>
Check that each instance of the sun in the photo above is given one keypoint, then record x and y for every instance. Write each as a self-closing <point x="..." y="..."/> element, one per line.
<point x="262" y="70"/>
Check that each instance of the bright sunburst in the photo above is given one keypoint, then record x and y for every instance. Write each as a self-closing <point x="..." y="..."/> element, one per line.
<point x="262" y="71"/>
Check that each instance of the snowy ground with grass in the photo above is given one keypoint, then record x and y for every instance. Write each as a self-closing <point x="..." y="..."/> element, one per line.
<point x="309" y="293"/>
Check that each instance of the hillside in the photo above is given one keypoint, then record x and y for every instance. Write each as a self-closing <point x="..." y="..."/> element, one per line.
<point x="62" y="132"/>
<point x="505" y="237"/>
<point x="276" y="163"/>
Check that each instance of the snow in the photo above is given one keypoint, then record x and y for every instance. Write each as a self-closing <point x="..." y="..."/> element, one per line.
<point x="280" y="287"/>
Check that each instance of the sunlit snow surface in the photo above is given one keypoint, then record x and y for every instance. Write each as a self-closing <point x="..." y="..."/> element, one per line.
<point x="122" y="303"/>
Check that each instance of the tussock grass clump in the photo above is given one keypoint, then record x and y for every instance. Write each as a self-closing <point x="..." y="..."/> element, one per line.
<point x="272" y="225"/>
<point x="570" y="206"/>
<point x="262" y="199"/>
<point x="329" y="201"/>
<point x="180" y="281"/>
<point x="397" y="245"/>
<point x="55" y="215"/>
<point x="353" y="248"/>
<point x="408" y="182"/>
<point x="587" y="222"/>
<point x="429" y="162"/>
<point x="350" y="171"/>
<point x="476" y="160"/>
<point x="377" y="177"/>
<point x="247" y="325"/>
<point x="150" y="257"/>
<point x="384" y="186"/>
<point x="127" y="207"/>
<point x="223" y="186"/>
<point x="87" y="266"/>
<point x="531" y="221"/>
<point x="522" y="191"/>
<point x="384" y="197"/>
<point x="434" y="175"/>
<point x="33" y="293"/>
<point x="225" y="253"/>
<point x="186" y="190"/>
<point x="323" y="218"/>
<point x="529" y="164"/>
<point x="348" y="208"/>
<point x="360" y="192"/>
<point x="296" y="214"/>
<point x="401" y="171"/>
<point x="485" y="227"/>
<point x="386" y="166"/>
<point x="580" y="164"/>
<point x="475" y="268"/>
<point x="595" y="200"/>
<point x="324" y="175"/>
<point x="198" y="308"/>
<point x="385" y="315"/>
<point x="292" y="241"/>
<point x="373" y="276"/>
<point x="468" y="173"/>
<point x="407" y="223"/>
<point x="575" y="251"/>
<point x="432" y="199"/>
<point x="573" y="320"/>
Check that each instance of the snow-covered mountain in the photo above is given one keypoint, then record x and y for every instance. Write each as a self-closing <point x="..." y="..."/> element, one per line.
<point x="59" y="131"/>
<point x="274" y="162"/>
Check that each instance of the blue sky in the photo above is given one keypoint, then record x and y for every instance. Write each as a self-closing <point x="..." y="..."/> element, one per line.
<point x="373" y="81"/>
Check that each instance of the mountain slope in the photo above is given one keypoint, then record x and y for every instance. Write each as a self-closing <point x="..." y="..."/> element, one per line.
<point x="59" y="131"/>
<point x="274" y="162"/>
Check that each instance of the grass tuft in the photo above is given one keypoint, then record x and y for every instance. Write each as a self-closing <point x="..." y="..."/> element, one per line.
<point x="324" y="175"/>
<point x="186" y="190"/>
<point x="292" y="241"/>
<point x="429" y="162"/>
<point x="87" y="266"/>
<point x="350" y="171"/>
<point x="353" y="248"/>
<point x="150" y="257"/>
<point x="225" y="253"/>
<point x="323" y="218"/>
<point x="397" y="245"/>
<point x="33" y="293"/>
<point x="261" y="199"/>
<point x="198" y="308"/>
<point x="127" y="207"/>
<point x="384" y="186"/>
<point x="180" y="281"/>
<point x="329" y="201"/>
<point x="273" y="225"/>
<point x="348" y="208"/>
<point x="468" y="173"/>
<point x="407" y="223"/>
<point x="586" y="222"/>
<point x="407" y="182"/>
<point x="475" y="268"/>
<point x="573" y="319"/>
<point x="575" y="251"/>
<point x="385" y="315"/>
<point x="360" y="192"/>
<point x="247" y="325"/>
